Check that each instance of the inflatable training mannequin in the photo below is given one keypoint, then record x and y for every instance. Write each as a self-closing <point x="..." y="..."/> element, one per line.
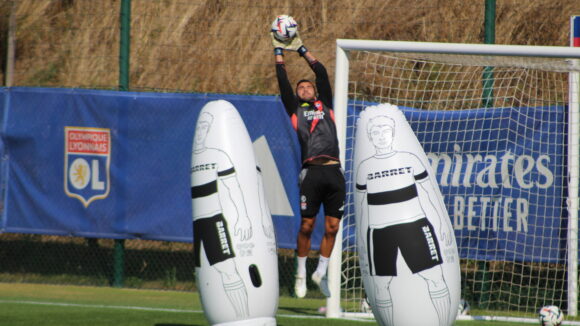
<point x="235" y="246"/>
<point x="405" y="239"/>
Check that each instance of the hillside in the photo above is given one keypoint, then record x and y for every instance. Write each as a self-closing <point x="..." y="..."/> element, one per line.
<point x="223" y="45"/>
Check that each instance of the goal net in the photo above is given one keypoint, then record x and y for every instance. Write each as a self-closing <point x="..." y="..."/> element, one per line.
<point x="499" y="125"/>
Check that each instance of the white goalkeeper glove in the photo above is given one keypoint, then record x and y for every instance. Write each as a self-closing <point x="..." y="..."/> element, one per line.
<point x="277" y="44"/>
<point x="295" y="44"/>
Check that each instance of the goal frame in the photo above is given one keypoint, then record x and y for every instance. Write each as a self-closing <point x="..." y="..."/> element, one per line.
<point x="344" y="46"/>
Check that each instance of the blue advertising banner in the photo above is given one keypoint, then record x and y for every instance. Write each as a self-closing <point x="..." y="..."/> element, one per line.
<point x="502" y="174"/>
<point x="116" y="164"/>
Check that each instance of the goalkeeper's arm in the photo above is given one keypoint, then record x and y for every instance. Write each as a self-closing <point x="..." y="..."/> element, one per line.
<point x="297" y="45"/>
<point x="322" y="81"/>
<point x="286" y="92"/>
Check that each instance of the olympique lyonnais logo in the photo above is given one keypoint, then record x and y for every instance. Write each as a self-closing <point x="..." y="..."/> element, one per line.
<point x="87" y="163"/>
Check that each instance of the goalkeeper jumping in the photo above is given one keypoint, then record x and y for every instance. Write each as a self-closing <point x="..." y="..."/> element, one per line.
<point x="321" y="179"/>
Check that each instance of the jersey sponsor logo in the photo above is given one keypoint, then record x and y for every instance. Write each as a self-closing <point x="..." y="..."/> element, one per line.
<point x="223" y="238"/>
<point x="389" y="173"/>
<point x="314" y="115"/>
<point x="87" y="163"/>
<point x="430" y="243"/>
<point x="203" y="167"/>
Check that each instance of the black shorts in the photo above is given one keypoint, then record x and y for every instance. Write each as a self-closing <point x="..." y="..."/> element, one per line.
<point x="322" y="184"/>
<point x="217" y="244"/>
<point x="416" y="240"/>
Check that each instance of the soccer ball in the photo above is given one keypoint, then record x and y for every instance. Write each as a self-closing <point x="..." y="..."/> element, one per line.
<point x="284" y="28"/>
<point x="551" y="316"/>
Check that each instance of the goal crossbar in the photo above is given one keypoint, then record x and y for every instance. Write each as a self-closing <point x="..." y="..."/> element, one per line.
<point x="459" y="48"/>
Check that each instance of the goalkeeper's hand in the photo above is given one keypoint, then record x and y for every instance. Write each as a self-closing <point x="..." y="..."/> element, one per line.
<point x="276" y="43"/>
<point x="295" y="44"/>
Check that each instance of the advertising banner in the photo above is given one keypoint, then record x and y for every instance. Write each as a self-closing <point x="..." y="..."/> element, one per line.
<point x="502" y="173"/>
<point x="117" y="164"/>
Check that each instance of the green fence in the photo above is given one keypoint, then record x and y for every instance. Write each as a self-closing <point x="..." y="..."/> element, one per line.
<point x="87" y="261"/>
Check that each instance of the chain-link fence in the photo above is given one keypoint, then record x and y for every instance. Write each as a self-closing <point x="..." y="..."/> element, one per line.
<point x="217" y="47"/>
<point x="88" y="261"/>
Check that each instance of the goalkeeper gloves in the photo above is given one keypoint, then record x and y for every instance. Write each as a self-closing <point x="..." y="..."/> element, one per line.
<point x="277" y="44"/>
<point x="295" y="44"/>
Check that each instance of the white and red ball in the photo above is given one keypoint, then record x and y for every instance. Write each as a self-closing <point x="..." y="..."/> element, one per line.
<point x="284" y="28"/>
<point x="551" y="316"/>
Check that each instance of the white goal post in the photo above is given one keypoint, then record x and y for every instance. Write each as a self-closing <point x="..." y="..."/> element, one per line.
<point x="529" y="78"/>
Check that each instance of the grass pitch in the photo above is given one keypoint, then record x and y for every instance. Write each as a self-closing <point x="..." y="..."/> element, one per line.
<point x="63" y="305"/>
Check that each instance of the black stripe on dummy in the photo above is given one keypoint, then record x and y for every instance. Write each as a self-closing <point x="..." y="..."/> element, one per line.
<point x="369" y="250"/>
<point x="421" y="176"/>
<point x="226" y="172"/>
<point x="203" y="190"/>
<point x="394" y="196"/>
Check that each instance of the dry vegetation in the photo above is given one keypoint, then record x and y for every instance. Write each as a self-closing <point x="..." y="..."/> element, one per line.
<point x="223" y="46"/>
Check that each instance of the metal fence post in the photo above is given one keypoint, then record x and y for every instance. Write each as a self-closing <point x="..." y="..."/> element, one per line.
<point x="124" y="52"/>
<point x="489" y="38"/>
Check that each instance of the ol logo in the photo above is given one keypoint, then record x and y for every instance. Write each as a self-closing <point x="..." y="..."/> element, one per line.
<point x="87" y="162"/>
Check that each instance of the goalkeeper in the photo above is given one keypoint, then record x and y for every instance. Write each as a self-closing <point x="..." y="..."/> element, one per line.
<point x="321" y="179"/>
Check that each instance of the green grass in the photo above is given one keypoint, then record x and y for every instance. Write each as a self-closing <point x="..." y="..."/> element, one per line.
<point x="52" y="305"/>
<point x="63" y="305"/>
